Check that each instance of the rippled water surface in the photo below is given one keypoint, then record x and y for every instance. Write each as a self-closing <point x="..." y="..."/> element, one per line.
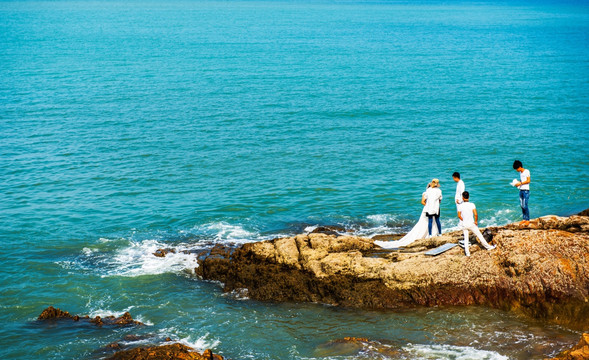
<point x="126" y="126"/>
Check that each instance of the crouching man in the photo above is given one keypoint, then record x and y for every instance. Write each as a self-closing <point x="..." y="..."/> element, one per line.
<point x="469" y="219"/>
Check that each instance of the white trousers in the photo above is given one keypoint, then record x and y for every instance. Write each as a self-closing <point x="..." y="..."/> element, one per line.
<point x="475" y="230"/>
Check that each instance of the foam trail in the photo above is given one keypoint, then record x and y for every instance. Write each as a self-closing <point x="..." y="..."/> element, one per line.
<point x="451" y="352"/>
<point x="223" y="232"/>
<point x="138" y="259"/>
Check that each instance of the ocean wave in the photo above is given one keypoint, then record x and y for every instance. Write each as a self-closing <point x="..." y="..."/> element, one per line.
<point x="450" y="352"/>
<point x="137" y="259"/>
<point x="107" y="312"/>
<point x="199" y="343"/>
<point x="225" y="232"/>
<point x="380" y="224"/>
<point x="133" y="256"/>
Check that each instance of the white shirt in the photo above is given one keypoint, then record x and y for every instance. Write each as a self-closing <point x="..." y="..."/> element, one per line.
<point x="466" y="210"/>
<point x="433" y="196"/>
<point x="459" y="190"/>
<point x="523" y="176"/>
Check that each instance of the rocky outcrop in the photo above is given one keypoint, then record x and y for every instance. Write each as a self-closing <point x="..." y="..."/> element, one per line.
<point x="52" y="313"/>
<point x="164" y="352"/>
<point x="542" y="271"/>
<point x="578" y="352"/>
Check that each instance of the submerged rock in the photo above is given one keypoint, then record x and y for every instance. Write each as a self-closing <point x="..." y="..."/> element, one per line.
<point x="578" y="352"/>
<point x="164" y="352"/>
<point x="52" y="313"/>
<point x="353" y="346"/>
<point x="163" y="252"/>
<point x="329" y="230"/>
<point x="542" y="271"/>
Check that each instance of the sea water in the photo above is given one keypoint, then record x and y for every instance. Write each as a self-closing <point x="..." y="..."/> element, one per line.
<point x="126" y="126"/>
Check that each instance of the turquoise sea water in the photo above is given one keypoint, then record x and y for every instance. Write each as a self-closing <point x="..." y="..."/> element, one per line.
<point x="131" y="125"/>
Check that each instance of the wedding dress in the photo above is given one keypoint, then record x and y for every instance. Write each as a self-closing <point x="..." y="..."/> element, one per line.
<point x="419" y="231"/>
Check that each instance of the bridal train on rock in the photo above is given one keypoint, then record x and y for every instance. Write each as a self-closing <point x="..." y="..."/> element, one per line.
<point x="421" y="229"/>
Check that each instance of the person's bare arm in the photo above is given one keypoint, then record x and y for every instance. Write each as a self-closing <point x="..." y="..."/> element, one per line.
<point x="423" y="197"/>
<point x="476" y="217"/>
<point x="460" y="216"/>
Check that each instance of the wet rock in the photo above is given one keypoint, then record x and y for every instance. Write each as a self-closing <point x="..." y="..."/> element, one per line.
<point x="329" y="230"/>
<point x="164" y="352"/>
<point x="578" y="352"/>
<point x="115" y="346"/>
<point x="388" y="237"/>
<point x="574" y="223"/>
<point x="163" y="252"/>
<point x="126" y="343"/>
<point x="541" y="272"/>
<point x="354" y="346"/>
<point x="584" y="213"/>
<point x="52" y="313"/>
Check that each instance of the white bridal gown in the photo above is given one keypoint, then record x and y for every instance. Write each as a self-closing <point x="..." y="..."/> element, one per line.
<point x="419" y="231"/>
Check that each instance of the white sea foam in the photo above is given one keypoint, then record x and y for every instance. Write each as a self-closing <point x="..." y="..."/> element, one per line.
<point x="105" y="312"/>
<point x="451" y="352"/>
<point x="501" y="217"/>
<point x="391" y="224"/>
<point x="227" y="233"/>
<point x="137" y="259"/>
<point x="108" y="312"/>
<point x="381" y="219"/>
<point x="378" y="224"/>
<point x="202" y="343"/>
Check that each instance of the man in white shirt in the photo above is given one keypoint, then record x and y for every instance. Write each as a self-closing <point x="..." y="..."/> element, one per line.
<point x="524" y="190"/>
<point x="469" y="220"/>
<point x="459" y="189"/>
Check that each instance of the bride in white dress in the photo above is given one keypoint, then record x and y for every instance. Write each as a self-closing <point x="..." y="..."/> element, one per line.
<point x="419" y="231"/>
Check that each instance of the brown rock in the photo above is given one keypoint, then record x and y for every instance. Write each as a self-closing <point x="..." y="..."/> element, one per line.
<point x="578" y="352"/>
<point x="52" y="313"/>
<point x="164" y="352"/>
<point x="329" y="230"/>
<point x="163" y="252"/>
<point x="131" y="337"/>
<point x="97" y="321"/>
<point x="354" y="346"/>
<point x="584" y="213"/>
<point x="541" y="272"/>
<point x="387" y="237"/>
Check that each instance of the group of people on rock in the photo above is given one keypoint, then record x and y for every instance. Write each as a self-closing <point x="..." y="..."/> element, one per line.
<point x="466" y="211"/>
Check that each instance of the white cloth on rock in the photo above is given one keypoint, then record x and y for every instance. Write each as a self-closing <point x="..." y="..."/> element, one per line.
<point x="419" y="231"/>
